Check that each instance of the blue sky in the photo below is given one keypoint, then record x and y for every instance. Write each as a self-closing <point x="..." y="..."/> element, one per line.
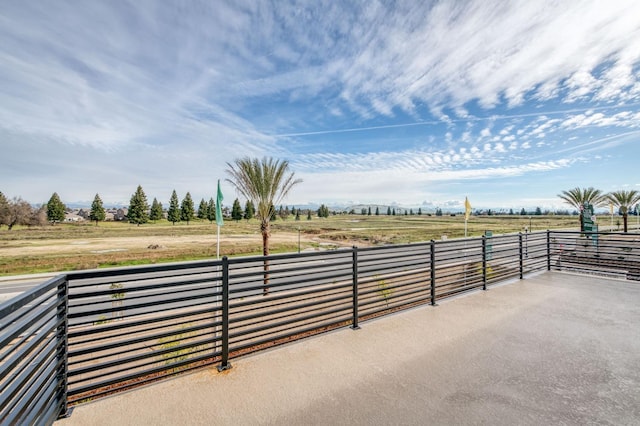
<point x="412" y="103"/>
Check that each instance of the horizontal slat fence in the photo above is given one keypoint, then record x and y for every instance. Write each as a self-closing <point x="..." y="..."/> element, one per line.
<point x="33" y="349"/>
<point x="90" y="333"/>
<point x="131" y="326"/>
<point x="278" y="298"/>
<point x="613" y="255"/>
<point x="391" y="277"/>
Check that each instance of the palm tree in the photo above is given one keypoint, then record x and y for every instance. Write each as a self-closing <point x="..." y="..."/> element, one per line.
<point x="623" y="200"/>
<point x="577" y="197"/>
<point x="264" y="182"/>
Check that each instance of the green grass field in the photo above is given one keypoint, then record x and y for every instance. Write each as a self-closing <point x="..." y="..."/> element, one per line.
<point x="85" y="246"/>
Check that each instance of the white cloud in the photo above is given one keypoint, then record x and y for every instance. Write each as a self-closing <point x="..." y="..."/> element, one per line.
<point x="627" y="119"/>
<point x="580" y="84"/>
<point x="493" y="43"/>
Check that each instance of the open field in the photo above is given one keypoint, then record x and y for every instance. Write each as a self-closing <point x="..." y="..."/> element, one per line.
<point x="85" y="246"/>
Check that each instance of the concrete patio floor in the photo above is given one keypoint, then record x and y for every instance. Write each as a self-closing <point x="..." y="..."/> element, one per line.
<point x="551" y="349"/>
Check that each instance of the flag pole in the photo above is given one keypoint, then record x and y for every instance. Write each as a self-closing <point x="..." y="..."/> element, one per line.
<point x="219" y="223"/>
<point x="467" y="212"/>
<point x="219" y="219"/>
<point x="611" y="228"/>
<point x="611" y="212"/>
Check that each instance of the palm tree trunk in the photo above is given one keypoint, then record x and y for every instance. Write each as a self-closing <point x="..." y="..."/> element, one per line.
<point x="624" y="221"/>
<point x="265" y="252"/>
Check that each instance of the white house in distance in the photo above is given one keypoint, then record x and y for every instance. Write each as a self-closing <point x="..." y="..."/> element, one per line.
<point x="81" y="215"/>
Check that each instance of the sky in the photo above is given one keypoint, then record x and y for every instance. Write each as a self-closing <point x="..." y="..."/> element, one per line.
<point x="408" y="103"/>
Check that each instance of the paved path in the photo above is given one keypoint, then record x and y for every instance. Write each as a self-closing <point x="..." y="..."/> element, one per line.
<point x="553" y="349"/>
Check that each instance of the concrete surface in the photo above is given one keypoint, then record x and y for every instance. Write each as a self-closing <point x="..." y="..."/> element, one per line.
<point x="552" y="349"/>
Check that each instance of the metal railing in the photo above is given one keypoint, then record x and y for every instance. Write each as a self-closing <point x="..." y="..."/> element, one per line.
<point x="33" y="354"/>
<point x="615" y="255"/>
<point x="91" y="333"/>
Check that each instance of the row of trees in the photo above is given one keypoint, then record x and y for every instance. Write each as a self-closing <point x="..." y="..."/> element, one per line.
<point x="438" y="212"/>
<point x="19" y="212"/>
<point x="622" y="201"/>
<point x="140" y="212"/>
<point x="249" y="211"/>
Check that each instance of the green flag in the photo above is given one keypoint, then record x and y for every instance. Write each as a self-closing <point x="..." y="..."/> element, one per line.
<point x="219" y="199"/>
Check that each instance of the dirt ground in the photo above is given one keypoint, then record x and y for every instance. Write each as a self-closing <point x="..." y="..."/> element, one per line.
<point x="116" y="244"/>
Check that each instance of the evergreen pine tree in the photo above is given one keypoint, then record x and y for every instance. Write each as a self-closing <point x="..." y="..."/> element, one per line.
<point x="211" y="210"/>
<point x="55" y="209"/>
<point x="202" y="209"/>
<point x="249" y="210"/>
<point x="272" y="211"/>
<point x="419" y="211"/>
<point x="323" y="211"/>
<point x="369" y="212"/>
<point x="523" y="212"/>
<point x="393" y="212"/>
<point x="187" y="209"/>
<point x="388" y="211"/>
<point x="236" y="210"/>
<point x="297" y="214"/>
<point x="173" y="214"/>
<point x="138" y="207"/>
<point x="308" y="214"/>
<point x="156" y="212"/>
<point x="377" y="211"/>
<point x="97" y="213"/>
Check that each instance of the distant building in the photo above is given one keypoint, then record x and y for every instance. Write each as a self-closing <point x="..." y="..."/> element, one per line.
<point x="83" y="214"/>
<point x="72" y="217"/>
<point x="121" y="214"/>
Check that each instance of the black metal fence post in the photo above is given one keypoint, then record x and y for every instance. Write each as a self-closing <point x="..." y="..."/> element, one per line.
<point x="62" y="337"/>
<point x="354" y="322"/>
<point x="484" y="262"/>
<point x="548" y="250"/>
<point x="432" y="259"/>
<point x="224" y="363"/>
<point x="521" y="255"/>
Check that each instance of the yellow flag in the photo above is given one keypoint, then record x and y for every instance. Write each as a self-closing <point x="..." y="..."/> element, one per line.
<point x="467" y="208"/>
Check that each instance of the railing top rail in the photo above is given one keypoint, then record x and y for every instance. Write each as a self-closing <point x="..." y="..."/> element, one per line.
<point x="131" y="270"/>
<point x="342" y="251"/>
<point x="590" y="232"/>
<point x="419" y="244"/>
